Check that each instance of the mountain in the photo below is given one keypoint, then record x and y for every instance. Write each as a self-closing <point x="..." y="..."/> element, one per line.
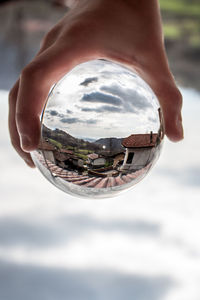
<point x="59" y="135"/>
<point x="113" y="145"/>
<point x="66" y="140"/>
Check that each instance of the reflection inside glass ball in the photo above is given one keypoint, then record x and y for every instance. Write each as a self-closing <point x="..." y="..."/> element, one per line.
<point x="101" y="131"/>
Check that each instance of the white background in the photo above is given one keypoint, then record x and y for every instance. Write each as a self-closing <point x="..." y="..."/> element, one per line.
<point x="144" y="244"/>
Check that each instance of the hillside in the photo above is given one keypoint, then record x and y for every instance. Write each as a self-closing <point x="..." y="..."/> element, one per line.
<point x="62" y="139"/>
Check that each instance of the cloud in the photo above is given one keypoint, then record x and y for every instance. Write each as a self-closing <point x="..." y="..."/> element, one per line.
<point x="87" y="81"/>
<point x="189" y="176"/>
<point x="77" y="120"/>
<point x="132" y="99"/>
<point x="153" y="120"/>
<point x="70" y="120"/>
<point x="90" y="121"/>
<point x="31" y="281"/>
<point x="53" y="112"/>
<point x="104" y="108"/>
<point x="98" y="97"/>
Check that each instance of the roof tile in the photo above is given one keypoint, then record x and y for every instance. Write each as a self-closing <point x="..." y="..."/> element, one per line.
<point x="140" y="140"/>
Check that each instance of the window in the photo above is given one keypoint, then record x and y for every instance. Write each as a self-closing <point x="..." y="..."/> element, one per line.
<point x="130" y="158"/>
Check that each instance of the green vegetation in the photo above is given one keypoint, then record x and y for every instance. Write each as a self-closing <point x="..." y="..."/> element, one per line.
<point x="69" y="148"/>
<point x="55" y="143"/>
<point x="181" y="7"/>
<point x="181" y="21"/>
<point x="82" y="156"/>
<point x="108" y="164"/>
<point x="84" y="151"/>
<point x="171" y="31"/>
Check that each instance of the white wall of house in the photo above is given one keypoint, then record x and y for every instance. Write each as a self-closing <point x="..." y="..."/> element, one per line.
<point x="99" y="161"/>
<point x="140" y="159"/>
<point x="49" y="156"/>
<point x="78" y="162"/>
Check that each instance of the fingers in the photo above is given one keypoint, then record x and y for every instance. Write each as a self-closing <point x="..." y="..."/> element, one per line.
<point x="171" y="103"/>
<point x="35" y="82"/>
<point x="15" y="140"/>
<point x="170" y="100"/>
<point x="157" y="74"/>
<point x="14" y="134"/>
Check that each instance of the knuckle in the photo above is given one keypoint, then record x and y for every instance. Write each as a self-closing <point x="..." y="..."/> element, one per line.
<point x="81" y="30"/>
<point x="32" y="72"/>
<point x="178" y="97"/>
<point x="170" y="95"/>
<point x="175" y="97"/>
<point x="76" y="29"/>
<point x="50" y="36"/>
<point x="81" y="39"/>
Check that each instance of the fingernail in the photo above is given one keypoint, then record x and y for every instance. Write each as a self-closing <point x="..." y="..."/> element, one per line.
<point x="25" y="142"/>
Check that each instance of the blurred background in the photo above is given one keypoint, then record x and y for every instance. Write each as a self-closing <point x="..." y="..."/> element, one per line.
<point x="143" y="244"/>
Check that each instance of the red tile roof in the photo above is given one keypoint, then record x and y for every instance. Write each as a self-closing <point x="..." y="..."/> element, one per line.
<point x="66" y="151"/>
<point x="140" y="140"/>
<point x="43" y="145"/>
<point x="93" y="156"/>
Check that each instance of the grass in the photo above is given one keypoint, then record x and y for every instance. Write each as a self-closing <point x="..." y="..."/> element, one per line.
<point x="83" y="151"/>
<point x="82" y="156"/>
<point x="55" y="143"/>
<point x="69" y="148"/>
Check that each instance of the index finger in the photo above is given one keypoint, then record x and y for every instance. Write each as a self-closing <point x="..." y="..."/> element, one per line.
<point x="35" y="82"/>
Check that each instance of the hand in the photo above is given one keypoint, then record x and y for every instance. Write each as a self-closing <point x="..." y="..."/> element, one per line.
<point x="125" y="31"/>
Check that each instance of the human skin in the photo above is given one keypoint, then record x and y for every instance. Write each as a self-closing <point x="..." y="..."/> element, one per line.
<point x="124" y="31"/>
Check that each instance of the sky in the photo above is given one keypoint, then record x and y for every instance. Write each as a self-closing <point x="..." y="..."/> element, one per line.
<point x="143" y="244"/>
<point x="101" y="99"/>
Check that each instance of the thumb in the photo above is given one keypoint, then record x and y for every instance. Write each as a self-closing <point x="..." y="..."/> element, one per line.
<point x="170" y="99"/>
<point x="160" y="79"/>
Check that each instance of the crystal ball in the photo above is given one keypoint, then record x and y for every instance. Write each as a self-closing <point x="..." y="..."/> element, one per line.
<point x="101" y="130"/>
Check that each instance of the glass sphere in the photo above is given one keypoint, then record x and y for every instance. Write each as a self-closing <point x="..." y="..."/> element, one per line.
<point x="101" y="130"/>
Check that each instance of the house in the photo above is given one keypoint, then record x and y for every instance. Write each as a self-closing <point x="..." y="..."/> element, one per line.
<point x="47" y="150"/>
<point x="66" y="158"/>
<point x="118" y="159"/>
<point x="140" y="150"/>
<point x="95" y="160"/>
<point x="61" y="157"/>
<point x="78" y="162"/>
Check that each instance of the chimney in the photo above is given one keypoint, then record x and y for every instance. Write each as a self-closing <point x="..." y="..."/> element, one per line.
<point x="151" y="137"/>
